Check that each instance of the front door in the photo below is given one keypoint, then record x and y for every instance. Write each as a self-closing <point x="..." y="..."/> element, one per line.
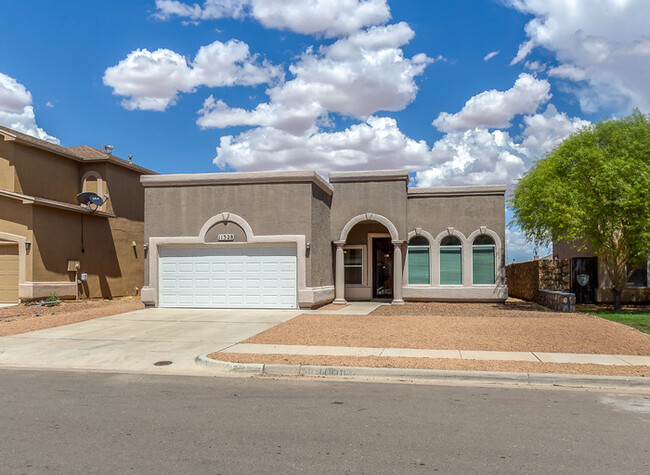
<point x="382" y="268"/>
<point x="584" y="275"/>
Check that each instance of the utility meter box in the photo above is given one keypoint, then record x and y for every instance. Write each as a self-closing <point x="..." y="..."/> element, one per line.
<point x="73" y="265"/>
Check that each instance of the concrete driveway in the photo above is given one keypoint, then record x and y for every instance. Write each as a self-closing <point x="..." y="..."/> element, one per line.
<point x="134" y="341"/>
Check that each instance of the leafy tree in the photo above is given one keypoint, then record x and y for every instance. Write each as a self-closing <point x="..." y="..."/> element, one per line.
<point x="593" y="188"/>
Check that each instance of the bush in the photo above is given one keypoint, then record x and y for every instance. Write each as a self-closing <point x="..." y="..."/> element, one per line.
<point x="52" y="297"/>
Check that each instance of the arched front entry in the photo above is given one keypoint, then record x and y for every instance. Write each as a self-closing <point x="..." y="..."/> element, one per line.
<point x="394" y="240"/>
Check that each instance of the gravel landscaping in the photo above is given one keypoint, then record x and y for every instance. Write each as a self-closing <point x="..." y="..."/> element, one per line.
<point x="446" y="326"/>
<point x="443" y="364"/>
<point x="23" y="318"/>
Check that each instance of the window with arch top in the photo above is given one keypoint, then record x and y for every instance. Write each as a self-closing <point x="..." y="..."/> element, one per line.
<point x="451" y="261"/>
<point x="483" y="260"/>
<point x="418" y="261"/>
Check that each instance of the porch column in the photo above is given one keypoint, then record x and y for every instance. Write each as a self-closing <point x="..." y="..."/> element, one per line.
<point x="397" y="274"/>
<point x="339" y="279"/>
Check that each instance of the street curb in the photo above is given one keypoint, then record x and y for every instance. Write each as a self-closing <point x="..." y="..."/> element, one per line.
<point x="572" y="380"/>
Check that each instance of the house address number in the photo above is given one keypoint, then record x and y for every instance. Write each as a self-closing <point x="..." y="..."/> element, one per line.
<point x="225" y="237"/>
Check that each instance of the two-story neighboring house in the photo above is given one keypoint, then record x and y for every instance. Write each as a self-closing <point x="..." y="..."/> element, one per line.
<point x="49" y="243"/>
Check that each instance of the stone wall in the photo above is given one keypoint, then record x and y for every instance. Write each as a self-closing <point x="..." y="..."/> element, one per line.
<point x="555" y="275"/>
<point x="527" y="280"/>
<point x="558" y="301"/>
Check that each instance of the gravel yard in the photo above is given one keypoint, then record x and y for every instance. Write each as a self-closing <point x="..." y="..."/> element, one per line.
<point x="22" y="318"/>
<point x="516" y="326"/>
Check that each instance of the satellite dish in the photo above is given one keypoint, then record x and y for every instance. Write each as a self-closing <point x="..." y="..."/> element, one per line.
<point x="92" y="200"/>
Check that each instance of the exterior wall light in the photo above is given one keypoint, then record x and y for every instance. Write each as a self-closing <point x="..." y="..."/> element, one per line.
<point x="28" y="245"/>
<point x="308" y="245"/>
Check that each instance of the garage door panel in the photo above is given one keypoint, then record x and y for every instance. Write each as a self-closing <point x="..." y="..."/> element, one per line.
<point x="237" y="277"/>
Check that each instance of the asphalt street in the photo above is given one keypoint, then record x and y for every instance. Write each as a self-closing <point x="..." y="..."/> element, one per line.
<point x="68" y="422"/>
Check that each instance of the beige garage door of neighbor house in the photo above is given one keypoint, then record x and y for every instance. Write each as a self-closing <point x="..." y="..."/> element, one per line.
<point x="8" y="272"/>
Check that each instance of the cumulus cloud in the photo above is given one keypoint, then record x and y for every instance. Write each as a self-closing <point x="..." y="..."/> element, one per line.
<point x="544" y="132"/>
<point x="356" y="76"/>
<point x="603" y="42"/>
<point x="475" y="156"/>
<point x="497" y="108"/>
<point x="330" y="18"/>
<point x="16" y="110"/>
<point x="295" y="120"/>
<point x="490" y="55"/>
<point x="373" y="144"/>
<point x="480" y="156"/>
<point x="152" y="80"/>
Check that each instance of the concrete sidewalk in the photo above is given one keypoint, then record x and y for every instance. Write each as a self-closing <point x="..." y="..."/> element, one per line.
<point x="535" y="357"/>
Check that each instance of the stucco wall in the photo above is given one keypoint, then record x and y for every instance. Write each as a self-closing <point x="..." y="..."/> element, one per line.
<point x="320" y="256"/>
<point x="464" y="213"/>
<point x="566" y="250"/>
<point x="269" y="208"/>
<point x="45" y="174"/>
<point x="114" y="266"/>
<point x="6" y="165"/>
<point x="386" y="198"/>
<point x="126" y="193"/>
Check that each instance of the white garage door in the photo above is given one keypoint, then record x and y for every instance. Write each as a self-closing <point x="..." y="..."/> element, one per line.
<point x="228" y="277"/>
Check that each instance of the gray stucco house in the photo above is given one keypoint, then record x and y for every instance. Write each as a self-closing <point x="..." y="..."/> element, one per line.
<point x="292" y="239"/>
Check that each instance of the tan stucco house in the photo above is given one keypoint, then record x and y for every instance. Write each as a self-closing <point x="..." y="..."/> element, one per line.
<point x="292" y="239"/>
<point x="51" y="244"/>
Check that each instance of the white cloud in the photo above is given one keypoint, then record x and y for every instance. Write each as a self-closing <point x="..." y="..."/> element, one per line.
<point x="535" y="66"/>
<point x="296" y="120"/>
<point x="567" y="71"/>
<point x="153" y="80"/>
<point x="330" y="18"/>
<point x="545" y="131"/>
<point x="497" y="108"/>
<point x="355" y="76"/>
<point x="473" y="157"/>
<point x="212" y="9"/>
<point x="490" y="55"/>
<point x="603" y="42"/>
<point x="16" y="111"/>
<point x="478" y="156"/>
<point x="518" y="249"/>
<point x="373" y="144"/>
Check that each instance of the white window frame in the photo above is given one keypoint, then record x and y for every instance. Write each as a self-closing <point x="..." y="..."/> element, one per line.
<point x="363" y="264"/>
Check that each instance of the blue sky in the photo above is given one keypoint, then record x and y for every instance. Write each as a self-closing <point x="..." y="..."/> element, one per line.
<point x="458" y="92"/>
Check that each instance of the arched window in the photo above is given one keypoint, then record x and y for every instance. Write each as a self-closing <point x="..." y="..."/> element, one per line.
<point x="451" y="261"/>
<point x="418" y="261"/>
<point x="483" y="260"/>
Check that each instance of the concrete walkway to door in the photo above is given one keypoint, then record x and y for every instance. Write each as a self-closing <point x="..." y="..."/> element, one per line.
<point x="134" y="341"/>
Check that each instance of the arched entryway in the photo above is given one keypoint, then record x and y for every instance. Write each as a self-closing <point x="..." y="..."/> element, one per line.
<point x="369" y="260"/>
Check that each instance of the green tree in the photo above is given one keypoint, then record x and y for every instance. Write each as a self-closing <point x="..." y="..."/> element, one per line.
<point x="593" y="188"/>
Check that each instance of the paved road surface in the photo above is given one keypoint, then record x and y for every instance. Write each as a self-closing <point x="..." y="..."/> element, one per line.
<point x="65" y="422"/>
